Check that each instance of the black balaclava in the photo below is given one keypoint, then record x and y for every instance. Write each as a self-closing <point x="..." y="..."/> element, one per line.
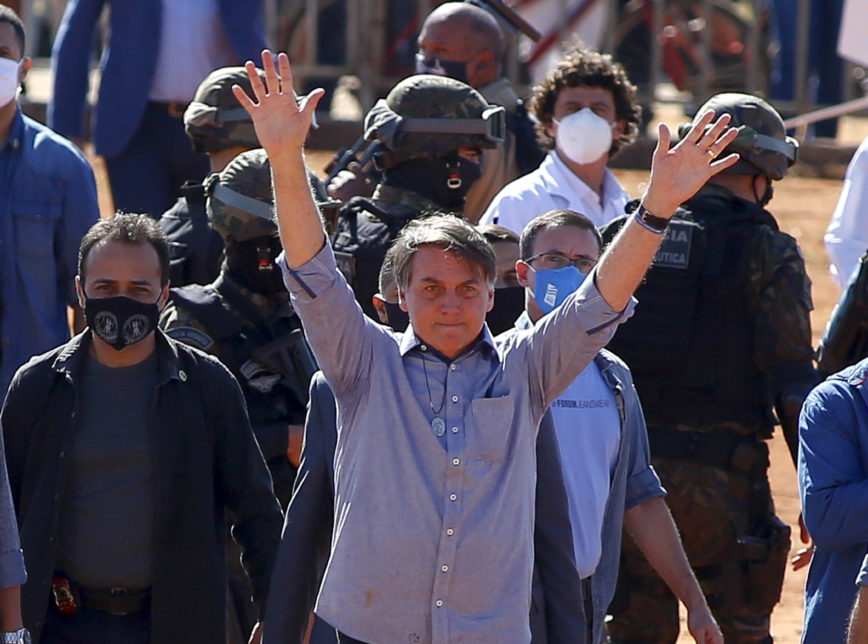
<point x="251" y="262"/>
<point x="444" y="180"/>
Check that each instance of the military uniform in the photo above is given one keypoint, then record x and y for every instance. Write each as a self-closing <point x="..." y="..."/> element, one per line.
<point x="261" y="341"/>
<point x="721" y="338"/>
<point x="420" y="125"/>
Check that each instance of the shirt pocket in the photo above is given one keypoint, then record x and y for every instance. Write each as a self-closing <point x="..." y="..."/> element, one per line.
<point x="35" y="223"/>
<point x="490" y="436"/>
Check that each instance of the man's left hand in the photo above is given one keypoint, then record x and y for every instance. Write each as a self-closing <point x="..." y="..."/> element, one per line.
<point x="703" y="627"/>
<point x="678" y="173"/>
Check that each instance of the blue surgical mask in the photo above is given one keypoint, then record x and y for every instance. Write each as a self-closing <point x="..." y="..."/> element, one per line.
<point x="553" y="286"/>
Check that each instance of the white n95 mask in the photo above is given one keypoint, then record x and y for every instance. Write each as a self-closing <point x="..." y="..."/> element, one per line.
<point x="8" y="80"/>
<point x="583" y="136"/>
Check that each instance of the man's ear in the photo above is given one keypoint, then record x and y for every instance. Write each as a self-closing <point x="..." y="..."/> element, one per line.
<point x="402" y="301"/>
<point x="380" y="305"/>
<point x="490" y="300"/>
<point x="522" y="273"/>
<point x="79" y="291"/>
<point x="26" y="64"/>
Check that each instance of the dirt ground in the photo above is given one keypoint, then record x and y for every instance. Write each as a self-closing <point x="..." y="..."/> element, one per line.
<point x="803" y="207"/>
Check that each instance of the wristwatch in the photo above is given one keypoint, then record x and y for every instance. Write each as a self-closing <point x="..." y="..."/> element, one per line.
<point x="21" y="636"/>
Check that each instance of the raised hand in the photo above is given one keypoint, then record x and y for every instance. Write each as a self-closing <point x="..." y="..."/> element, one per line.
<point x="281" y="123"/>
<point x="678" y="173"/>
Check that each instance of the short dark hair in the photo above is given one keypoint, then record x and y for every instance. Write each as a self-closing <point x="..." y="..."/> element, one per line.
<point x="477" y="20"/>
<point x="582" y="67"/>
<point x="554" y="219"/>
<point x="495" y="234"/>
<point x="387" y="278"/>
<point x="128" y="229"/>
<point x="449" y="233"/>
<point x="8" y="15"/>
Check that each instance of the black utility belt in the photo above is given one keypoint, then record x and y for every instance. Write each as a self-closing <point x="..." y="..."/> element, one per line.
<point x="69" y="597"/>
<point x="724" y="450"/>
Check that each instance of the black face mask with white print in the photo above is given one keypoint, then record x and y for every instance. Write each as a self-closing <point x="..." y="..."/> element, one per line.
<point x="120" y="321"/>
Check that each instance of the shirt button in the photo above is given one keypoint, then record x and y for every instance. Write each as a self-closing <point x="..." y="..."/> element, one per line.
<point x="449" y="532"/>
<point x="456" y="461"/>
<point x="453" y="367"/>
<point x="438" y="603"/>
<point x="454" y="430"/>
<point x="453" y="497"/>
<point x="444" y="568"/>
<point x="62" y="454"/>
<point x="455" y="399"/>
<point x="423" y="347"/>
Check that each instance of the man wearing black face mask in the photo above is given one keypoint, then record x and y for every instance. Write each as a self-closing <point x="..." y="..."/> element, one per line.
<point x="125" y="452"/>
<point x="244" y="317"/>
<point x="465" y="42"/>
<point x="715" y="381"/>
<point x="432" y="131"/>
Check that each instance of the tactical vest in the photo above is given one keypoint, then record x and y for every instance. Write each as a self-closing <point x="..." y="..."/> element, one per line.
<point x="269" y="358"/>
<point x="690" y="341"/>
<point x="195" y="249"/>
<point x="364" y="232"/>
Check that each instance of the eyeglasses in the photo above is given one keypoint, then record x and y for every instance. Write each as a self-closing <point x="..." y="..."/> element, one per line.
<point x="552" y="261"/>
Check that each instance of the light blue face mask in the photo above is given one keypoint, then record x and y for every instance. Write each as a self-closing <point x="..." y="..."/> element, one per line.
<point x="553" y="286"/>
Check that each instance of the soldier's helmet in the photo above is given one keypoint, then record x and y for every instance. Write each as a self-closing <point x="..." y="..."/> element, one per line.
<point x="215" y="120"/>
<point x="240" y="202"/>
<point x="431" y="116"/>
<point x="762" y="142"/>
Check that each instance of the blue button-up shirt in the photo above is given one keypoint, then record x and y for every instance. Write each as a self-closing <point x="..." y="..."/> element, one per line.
<point x="47" y="203"/>
<point x="433" y="535"/>
<point x="833" y="485"/>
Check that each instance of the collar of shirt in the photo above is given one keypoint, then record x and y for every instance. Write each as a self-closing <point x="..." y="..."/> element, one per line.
<point x="409" y="341"/>
<point x="565" y="183"/>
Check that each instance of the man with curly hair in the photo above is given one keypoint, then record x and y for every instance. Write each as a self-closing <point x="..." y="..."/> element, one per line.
<point x="586" y="111"/>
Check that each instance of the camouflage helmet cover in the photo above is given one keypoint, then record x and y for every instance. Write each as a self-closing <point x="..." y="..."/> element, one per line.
<point x="215" y="120"/>
<point x="240" y="199"/>
<point x="429" y="116"/>
<point x="762" y="141"/>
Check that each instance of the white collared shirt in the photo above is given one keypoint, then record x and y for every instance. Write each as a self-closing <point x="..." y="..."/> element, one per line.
<point x="554" y="186"/>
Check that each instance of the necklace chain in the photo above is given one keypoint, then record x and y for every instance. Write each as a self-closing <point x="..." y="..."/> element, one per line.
<point x="436" y="412"/>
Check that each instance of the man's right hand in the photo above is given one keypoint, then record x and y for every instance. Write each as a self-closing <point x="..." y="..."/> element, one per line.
<point x="281" y="123"/>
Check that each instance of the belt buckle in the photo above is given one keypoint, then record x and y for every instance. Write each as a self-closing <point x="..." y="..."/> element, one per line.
<point x="176" y="109"/>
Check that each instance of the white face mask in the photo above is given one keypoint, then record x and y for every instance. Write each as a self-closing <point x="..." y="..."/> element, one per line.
<point x="8" y="80"/>
<point x="583" y="136"/>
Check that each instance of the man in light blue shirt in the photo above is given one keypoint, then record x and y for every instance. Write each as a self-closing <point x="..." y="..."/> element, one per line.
<point x="435" y="470"/>
<point x="602" y="439"/>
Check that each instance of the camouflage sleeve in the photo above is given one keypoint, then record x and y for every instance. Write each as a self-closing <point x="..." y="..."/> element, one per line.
<point x="780" y="294"/>
<point x="178" y="324"/>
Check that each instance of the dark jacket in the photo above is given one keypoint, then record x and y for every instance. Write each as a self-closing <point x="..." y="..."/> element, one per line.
<point x="206" y="461"/>
<point x="304" y="548"/>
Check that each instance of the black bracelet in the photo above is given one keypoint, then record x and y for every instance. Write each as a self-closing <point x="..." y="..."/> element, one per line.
<point x="650" y="222"/>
